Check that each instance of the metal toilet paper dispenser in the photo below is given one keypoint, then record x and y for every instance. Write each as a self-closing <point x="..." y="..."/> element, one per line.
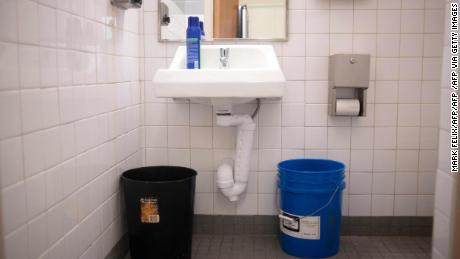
<point x="348" y="83"/>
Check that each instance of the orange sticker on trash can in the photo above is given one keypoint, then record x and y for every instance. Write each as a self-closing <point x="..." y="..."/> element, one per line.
<point x="149" y="210"/>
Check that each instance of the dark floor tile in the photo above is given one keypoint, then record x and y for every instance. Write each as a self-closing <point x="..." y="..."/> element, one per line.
<point x="221" y="246"/>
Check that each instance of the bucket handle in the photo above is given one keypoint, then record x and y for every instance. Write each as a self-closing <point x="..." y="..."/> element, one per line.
<point x="281" y="216"/>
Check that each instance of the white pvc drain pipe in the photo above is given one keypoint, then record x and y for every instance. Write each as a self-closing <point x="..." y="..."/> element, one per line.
<point x="232" y="179"/>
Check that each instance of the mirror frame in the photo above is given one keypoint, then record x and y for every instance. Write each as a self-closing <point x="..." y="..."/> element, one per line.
<point x="232" y="40"/>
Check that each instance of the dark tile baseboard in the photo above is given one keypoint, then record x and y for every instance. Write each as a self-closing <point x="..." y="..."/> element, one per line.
<point x="387" y="226"/>
<point x="120" y="249"/>
<point x="351" y="226"/>
<point x="235" y="225"/>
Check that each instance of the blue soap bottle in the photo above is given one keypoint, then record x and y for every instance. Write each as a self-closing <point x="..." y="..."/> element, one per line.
<point x="193" y="43"/>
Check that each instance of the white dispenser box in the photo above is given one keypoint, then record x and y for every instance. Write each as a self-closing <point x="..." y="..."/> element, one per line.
<point x="348" y="84"/>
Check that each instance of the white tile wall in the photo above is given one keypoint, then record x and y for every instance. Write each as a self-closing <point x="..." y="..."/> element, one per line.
<point x="390" y="154"/>
<point x="70" y="117"/>
<point x="445" y="181"/>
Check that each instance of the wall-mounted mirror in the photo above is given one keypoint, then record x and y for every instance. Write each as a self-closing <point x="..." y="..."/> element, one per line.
<point x="225" y="19"/>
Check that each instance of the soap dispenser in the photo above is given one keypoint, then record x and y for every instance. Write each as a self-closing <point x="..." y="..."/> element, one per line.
<point x="202" y="30"/>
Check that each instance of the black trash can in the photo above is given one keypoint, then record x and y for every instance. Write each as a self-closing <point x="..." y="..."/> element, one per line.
<point x="159" y="211"/>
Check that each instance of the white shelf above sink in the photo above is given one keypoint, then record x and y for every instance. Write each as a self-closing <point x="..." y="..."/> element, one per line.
<point x="253" y="72"/>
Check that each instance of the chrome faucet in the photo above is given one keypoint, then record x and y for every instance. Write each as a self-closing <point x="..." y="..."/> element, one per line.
<point x="224" y="52"/>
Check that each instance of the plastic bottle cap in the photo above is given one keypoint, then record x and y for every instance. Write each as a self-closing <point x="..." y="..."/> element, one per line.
<point x="193" y="21"/>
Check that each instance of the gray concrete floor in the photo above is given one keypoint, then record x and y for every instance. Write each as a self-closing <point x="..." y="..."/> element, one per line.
<point x="267" y="247"/>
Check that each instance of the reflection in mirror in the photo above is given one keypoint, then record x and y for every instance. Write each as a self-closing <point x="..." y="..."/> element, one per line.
<point x="225" y="19"/>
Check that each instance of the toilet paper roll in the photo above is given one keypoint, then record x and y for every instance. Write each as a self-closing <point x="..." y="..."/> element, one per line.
<point x="347" y="107"/>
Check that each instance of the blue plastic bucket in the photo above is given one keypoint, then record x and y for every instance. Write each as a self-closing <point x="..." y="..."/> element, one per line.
<point x="311" y="206"/>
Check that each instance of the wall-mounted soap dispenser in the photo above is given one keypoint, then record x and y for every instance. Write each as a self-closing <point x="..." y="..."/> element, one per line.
<point x="348" y="83"/>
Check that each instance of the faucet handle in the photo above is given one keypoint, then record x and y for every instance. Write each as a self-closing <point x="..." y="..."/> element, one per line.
<point x="224" y="52"/>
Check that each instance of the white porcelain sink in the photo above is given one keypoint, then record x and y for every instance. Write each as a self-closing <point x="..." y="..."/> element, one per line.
<point x="253" y="72"/>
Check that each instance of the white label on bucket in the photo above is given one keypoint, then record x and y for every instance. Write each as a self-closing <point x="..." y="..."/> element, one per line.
<point x="301" y="227"/>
